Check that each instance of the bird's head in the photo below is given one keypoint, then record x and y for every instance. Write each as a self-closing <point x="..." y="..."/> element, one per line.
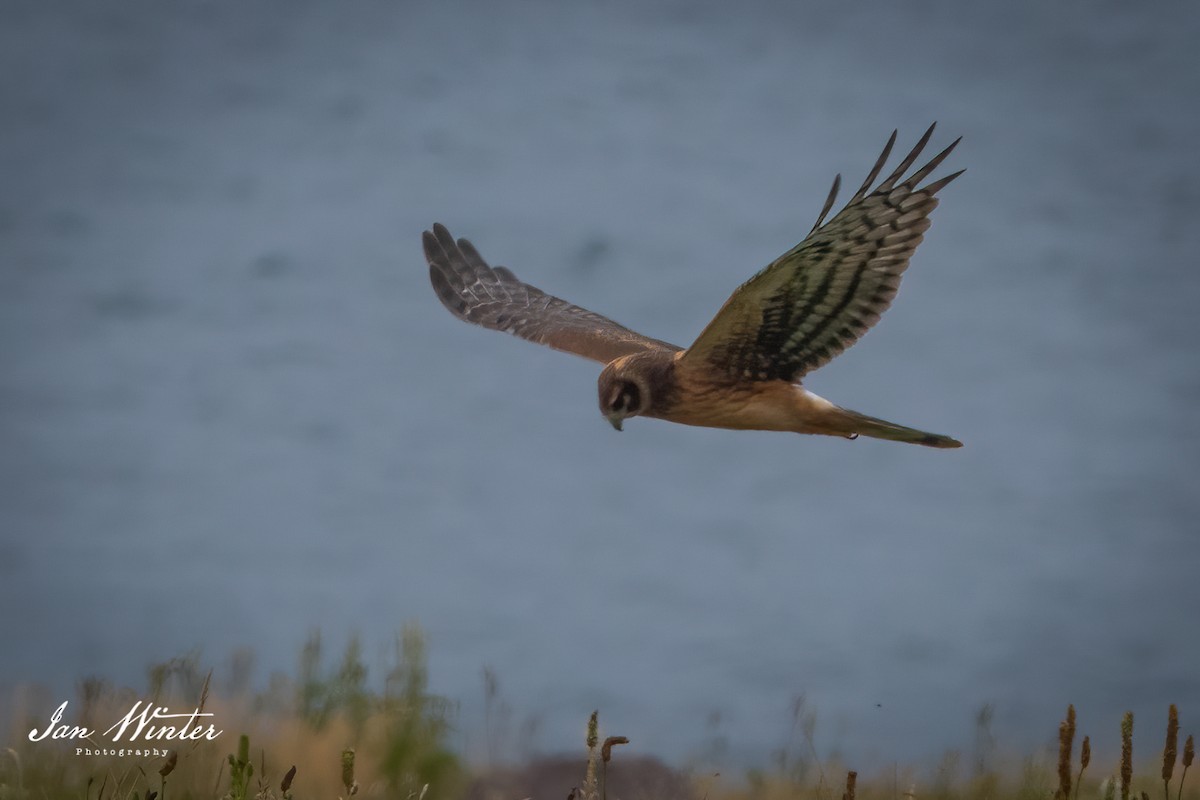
<point x="623" y="392"/>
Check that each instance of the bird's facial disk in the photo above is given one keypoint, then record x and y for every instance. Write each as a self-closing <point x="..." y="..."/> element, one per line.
<point x="624" y="400"/>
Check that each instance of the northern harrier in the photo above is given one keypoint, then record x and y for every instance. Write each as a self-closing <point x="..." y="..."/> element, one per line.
<point x="744" y="369"/>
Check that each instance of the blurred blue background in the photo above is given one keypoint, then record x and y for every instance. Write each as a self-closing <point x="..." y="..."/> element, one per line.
<point x="232" y="409"/>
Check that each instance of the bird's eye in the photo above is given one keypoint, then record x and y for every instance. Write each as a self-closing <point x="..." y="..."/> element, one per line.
<point x="629" y="399"/>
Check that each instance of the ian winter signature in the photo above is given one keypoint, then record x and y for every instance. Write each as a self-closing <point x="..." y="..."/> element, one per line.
<point x="143" y="722"/>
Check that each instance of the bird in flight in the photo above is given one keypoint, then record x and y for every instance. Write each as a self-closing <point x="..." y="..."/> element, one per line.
<point x="744" y="370"/>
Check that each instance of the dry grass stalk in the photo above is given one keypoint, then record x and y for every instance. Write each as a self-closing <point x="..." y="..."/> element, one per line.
<point x="589" y="791"/>
<point x="1126" y="754"/>
<point x="168" y="766"/>
<point x="851" y="785"/>
<point x="348" y="772"/>
<point x="606" y="749"/>
<point x="593" y="733"/>
<point x="285" y="785"/>
<point x="1170" y="749"/>
<point x="1085" y="758"/>
<point x="1189" y="755"/>
<point x="169" y="763"/>
<point x="605" y="757"/>
<point x="1066" y="743"/>
<point x="204" y="691"/>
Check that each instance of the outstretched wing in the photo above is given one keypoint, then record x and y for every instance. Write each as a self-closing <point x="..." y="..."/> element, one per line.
<point x="821" y="296"/>
<point x="494" y="298"/>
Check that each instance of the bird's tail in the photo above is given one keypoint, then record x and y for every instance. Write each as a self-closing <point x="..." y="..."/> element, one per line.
<point x="861" y="424"/>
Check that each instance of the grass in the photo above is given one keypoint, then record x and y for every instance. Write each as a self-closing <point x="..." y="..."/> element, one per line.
<point x="326" y="733"/>
<point x="341" y="737"/>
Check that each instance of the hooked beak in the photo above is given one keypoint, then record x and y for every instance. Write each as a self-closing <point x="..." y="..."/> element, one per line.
<point x="615" y="420"/>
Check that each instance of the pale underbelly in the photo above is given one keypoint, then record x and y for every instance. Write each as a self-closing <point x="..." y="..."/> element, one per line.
<point x="773" y="407"/>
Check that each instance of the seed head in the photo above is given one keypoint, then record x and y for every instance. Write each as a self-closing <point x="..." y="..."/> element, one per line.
<point x="593" y="733"/>
<point x="1066" y="743"/>
<point x="1169" y="749"/>
<point x="348" y="771"/>
<point x="1064" y="759"/>
<point x="851" y="784"/>
<point x="1126" y="753"/>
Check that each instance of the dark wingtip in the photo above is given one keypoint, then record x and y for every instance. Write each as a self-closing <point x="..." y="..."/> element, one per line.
<point x="442" y="234"/>
<point x="875" y="170"/>
<point x="441" y="276"/>
<point x="890" y="182"/>
<point x="933" y="164"/>
<point x="944" y="442"/>
<point x="829" y="201"/>
<point x="433" y="248"/>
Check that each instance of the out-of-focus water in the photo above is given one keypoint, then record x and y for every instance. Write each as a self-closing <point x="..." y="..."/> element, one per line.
<point x="232" y="409"/>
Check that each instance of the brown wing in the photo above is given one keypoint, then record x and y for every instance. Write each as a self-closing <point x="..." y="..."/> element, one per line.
<point x="494" y="298"/>
<point x="821" y="296"/>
